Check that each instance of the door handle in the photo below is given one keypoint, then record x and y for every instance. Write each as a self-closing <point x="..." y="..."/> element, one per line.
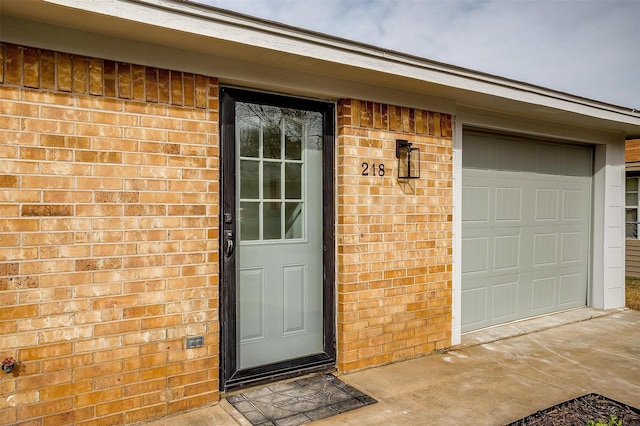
<point x="228" y="244"/>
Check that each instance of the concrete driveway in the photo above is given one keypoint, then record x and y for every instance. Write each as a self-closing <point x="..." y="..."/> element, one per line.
<point x="547" y="360"/>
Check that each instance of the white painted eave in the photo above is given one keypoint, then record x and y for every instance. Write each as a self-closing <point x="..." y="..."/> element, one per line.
<point x="207" y="31"/>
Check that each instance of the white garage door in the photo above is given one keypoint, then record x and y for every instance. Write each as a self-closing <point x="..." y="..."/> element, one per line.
<point x="526" y="212"/>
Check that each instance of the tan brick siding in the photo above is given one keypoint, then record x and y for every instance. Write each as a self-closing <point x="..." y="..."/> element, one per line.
<point x="109" y="186"/>
<point x="108" y="236"/>
<point x="394" y="238"/>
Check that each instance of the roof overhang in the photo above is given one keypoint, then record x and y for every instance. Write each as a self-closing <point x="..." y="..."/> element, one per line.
<point x="241" y="50"/>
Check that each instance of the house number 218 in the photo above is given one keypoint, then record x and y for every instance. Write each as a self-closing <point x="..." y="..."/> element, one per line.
<point x="372" y="169"/>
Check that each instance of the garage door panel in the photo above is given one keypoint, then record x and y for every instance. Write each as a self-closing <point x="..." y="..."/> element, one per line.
<point x="577" y="161"/>
<point x="545" y="249"/>
<point x="478" y="200"/>
<point x="573" y="247"/>
<point x="509" y="155"/>
<point x="474" y="305"/>
<point x="508" y="204"/>
<point x="493" y="199"/>
<point x="505" y="302"/>
<point x="548" y="159"/>
<point x="476" y="255"/>
<point x="480" y="155"/>
<point x="480" y="296"/>
<point x="570" y="291"/>
<point x="543" y="295"/>
<point x="564" y="160"/>
<point x="490" y="281"/>
<point x="573" y="204"/>
<point x="506" y="252"/>
<point x="488" y="252"/>
<point x="555" y="246"/>
<point x="557" y="291"/>
<point x="547" y="201"/>
<point x="525" y="228"/>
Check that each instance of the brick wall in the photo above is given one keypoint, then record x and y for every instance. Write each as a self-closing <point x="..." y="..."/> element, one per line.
<point x="108" y="239"/>
<point x="394" y="238"/>
<point x="109" y="235"/>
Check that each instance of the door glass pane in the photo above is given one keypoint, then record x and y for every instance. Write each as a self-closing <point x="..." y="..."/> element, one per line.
<point x="632" y="199"/>
<point x="249" y="178"/>
<point x="293" y="220"/>
<point x="272" y="221"/>
<point x="249" y="221"/>
<point x="632" y="184"/>
<point x="271" y="181"/>
<point x="293" y="140"/>
<point x="293" y="181"/>
<point x="272" y="140"/>
<point x="249" y="133"/>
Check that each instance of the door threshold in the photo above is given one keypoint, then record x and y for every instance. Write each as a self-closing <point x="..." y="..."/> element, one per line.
<point x="291" y="378"/>
<point x="244" y="379"/>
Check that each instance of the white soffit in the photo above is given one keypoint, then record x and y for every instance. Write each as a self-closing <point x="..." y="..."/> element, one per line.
<point x="188" y="26"/>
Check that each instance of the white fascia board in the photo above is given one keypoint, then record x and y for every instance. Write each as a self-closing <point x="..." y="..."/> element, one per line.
<point x="499" y="122"/>
<point x="228" y="71"/>
<point x="215" y="24"/>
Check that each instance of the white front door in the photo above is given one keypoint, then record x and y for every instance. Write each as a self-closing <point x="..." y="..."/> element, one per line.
<point x="279" y="214"/>
<point x="277" y="251"/>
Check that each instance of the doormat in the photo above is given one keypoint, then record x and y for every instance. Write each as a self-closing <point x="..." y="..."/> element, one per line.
<point x="579" y="411"/>
<point x="298" y="402"/>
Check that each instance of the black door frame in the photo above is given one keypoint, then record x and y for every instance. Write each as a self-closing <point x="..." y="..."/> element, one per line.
<point x="230" y="377"/>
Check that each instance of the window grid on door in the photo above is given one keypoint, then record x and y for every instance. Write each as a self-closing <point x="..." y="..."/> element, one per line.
<point x="271" y="181"/>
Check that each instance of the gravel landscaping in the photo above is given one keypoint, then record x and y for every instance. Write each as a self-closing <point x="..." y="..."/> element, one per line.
<point x="579" y="411"/>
